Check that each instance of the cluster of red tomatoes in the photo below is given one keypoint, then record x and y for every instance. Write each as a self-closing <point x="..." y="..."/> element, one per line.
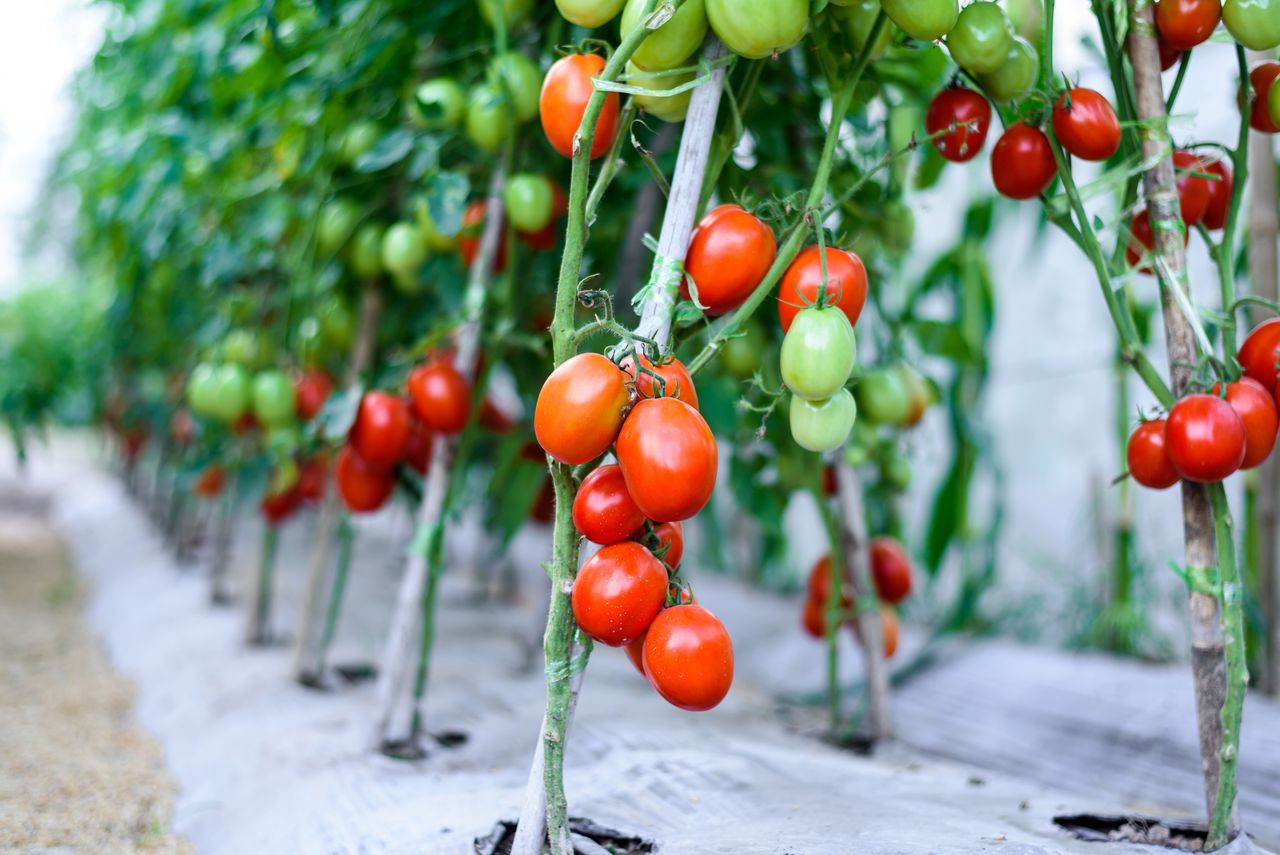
<point x="1208" y="437"/>
<point x="628" y="593"/>
<point x="891" y="576"/>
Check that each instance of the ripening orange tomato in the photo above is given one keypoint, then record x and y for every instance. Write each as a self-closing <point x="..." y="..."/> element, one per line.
<point x="565" y="92"/>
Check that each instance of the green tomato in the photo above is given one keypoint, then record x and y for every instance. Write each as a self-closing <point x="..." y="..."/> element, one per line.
<point x="438" y="104"/>
<point x="981" y="38"/>
<point x="201" y="390"/>
<point x="896" y="471"/>
<point x="511" y="11"/>
<point x="589" y="13"/>
<point x="404" y="250"/>
<point x="337" y="327"/>
<point x="1017" y="75"/>
<point x="231" y="392"/>
<point x="338" y="220"/>
<point x="741" y="354"/>
<point x="1254" y="23"/>
<point x="436" y="240"/>
<point x="242" y="347"/>
<point x="856" y="17"/>
<point x="823" y="425"/>
<point x="758" y="29"/>
<point x="883" y="397"/>
<point x="489" y="117"/>
<point x="1273" y="103"/>
<point x="523" y="82"/>
<point x="529" y="202"/>
<point x="360" y="137"/>
<point x="274" y="401"/>
<point x="672" y="44"/>
<point x="927" y="20"/>
<point x="818" y="353"/>
<point x="669" y="108"/>
<point x="366" y="251"/>
<point x="283" y="440"/>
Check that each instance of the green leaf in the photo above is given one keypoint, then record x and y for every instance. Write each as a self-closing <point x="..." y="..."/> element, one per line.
<point x="391" y="149"/>
<point x="447" y="201"/>
<point x="339" y="413"/>
<point x="945" y="339"/>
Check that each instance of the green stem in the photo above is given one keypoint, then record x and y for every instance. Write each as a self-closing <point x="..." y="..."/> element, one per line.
<point x="345" y="536"/>
<point x="1177" y="82"/>
<point x="612" y="160"/>
<point x="833" y="609"/>
<point x="1223" y="252"/>
<point x="1229" y="590"/>
<point x="261" y="633"/>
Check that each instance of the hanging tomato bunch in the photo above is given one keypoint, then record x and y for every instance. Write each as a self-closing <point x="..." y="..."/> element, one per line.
<point x="890" y="575"/>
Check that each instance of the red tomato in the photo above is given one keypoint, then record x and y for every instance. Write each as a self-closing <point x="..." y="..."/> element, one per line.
<point x="830" y="487"/>
<point x="381" y="432"/>
<point x="247" y="422"/>
<point x="1262" y="78"/>
<point x="1260" y="353"/>
<point x="814" y="617"/>
<point x="211" y="481"/>
<point x="846" y="284"/>
<point x="668" y="457"/>
<point x="729" y="254"/>
<point x="278" y="507"/>
<point x="668" y="536"/>
<point x="965" y="116"/>
<point x="1086" y="125"/>
<point x="363" y="486"/>
<point x="441" y="396"/>
<point x="618" y="593"/>
<point x="545" y="237"/>
<point x="676" y="380"/>
<point x="563" y="101"/>
<point x="469" y="238"/>
<point x="311" y="390"/>
<point x="580" y="408"/>
<point x="1205" y="438"/>
<point x="819" y="586"/>
<point x="1183" y="24"/>
<point x="418" y="452"/>
<point x="635" y="653"/>
<point x="1141" y="241"/>
<point x="890" y="570"/>
<point x="1215" y="215"/>
<point x="312" y="477"/>
<point x="1257" y="410"/>
<point x="1193" y="191"/>
<point x="1169" y="55"/>
<point x="1149" y="463"/>
<point x="688" y="658"/>
<point x="1022" y="164"/>
<point x="603" y="509"/>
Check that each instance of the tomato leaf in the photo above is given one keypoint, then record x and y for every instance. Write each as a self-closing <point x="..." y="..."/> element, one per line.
<point x="447" y="200"/>
<point x="339" y="413"/>
<point x="388" y="151"/>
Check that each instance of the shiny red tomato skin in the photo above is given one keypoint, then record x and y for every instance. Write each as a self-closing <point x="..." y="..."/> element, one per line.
<point x="1260" y="353"/>
<point x="603" y="510"/>
<point x="313" y="477"/>
<point x="1263" y="77"/>
<point x="1193" y="191"/>
<point x="635" y="653"/>
<point x="580" y="408"/>
<point x="618" y="593"/>
<point x="1205" y="438"/>
<point x="469" y="237"/>
<point x="1169" y="55"/>
<point x="1215" y="215"/>
<point x="729" y="253"/>
<point x="1022" y="163"/>
<point x="278" y="507"/>
<point x="1183" y="24"/>
<point x="381" y="432"/>
<point x="676" y="380"/>
<point x="688" y="658"/>
<point x="418" y="453"/>
<point x="814" y="618"/>
<point x="441" y="396"/>
<point x="668" y="458"/>
<point x="965" y="116"/>
<point x="1141" y="238"/>
<point x="846" y="277"/>
<point x="362" y="486"/>
<point x="890" y="570"/>
<point x="1085" y="124"/>
<point x="819" y="584"/>
<point x="565" y="92"/>
<point x="1149" y="462"/>
<point x="1257" y="411"/>
<point x="311" y="390"/>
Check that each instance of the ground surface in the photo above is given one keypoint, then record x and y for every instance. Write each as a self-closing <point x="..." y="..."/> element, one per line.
<point x="76" y="771"/>
<point x="267" y="766"/>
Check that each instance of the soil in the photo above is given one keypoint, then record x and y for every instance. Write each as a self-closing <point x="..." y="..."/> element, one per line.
<point x="75" y="769"/>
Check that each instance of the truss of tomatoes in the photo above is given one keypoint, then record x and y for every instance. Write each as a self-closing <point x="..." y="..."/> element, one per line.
<point x="890" y="575"/>
<point x="629" y="594"/>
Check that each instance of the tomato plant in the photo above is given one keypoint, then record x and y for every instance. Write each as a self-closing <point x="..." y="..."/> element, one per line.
<point x="1263" y="80"/>
<point x="672" y="380"/>
<point x="1149" y="462"/>
<point x="380" y="434"/>
<point x="963" y="117"/>
<point x="1183" y="24"/>
<point x="580" y="408"/>
<point x="441" y="396"/>
<point x="729" y="253"/>
<point x="1086" y="124"/>
<point x="618" y="593"/>
<point x="1204" y="438"/>
<point x="1022" y="163"/>
<point x="688" y="657"/>
<point x="668" y="458"/>
<point x="1260" y="353"/>
<point x="603" y="510"/>
<point x="363" y="486"/>
<point x="890" y="570"/>
<point x="1256" y="408"/>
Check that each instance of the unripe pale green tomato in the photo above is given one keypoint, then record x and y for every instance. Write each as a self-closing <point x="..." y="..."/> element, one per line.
<point x="896" y="471"/>
<point x="856" y="17"/>
<point x="490" y="117"/>
<point x="1253" y="23"/>
<point x="1016" y="75"/>
<point x="404" y="250"/>
<point x="365" y="252"/>
<point x="241" y="346"/>
<point x="361" y="136"/>
<point x="529" y="202"/>
<point x="883" y="397"/>
<point x="758" y="29"/>
<point x="927" y="20"/>
<point x="590" y="13"/>
<point x="202" y="389"/>
<point x="511" y="11"/>
<point x="823" y="425"/>
<point x="862" y="439"/>
<point x="436" y="241"/>
<point x="283" y="440"/>
<point x="672" y="44"/>
<point x="231" y="392"/>
<point x="406" y="283"/>
<point x="1273" y="103"/>
<point x="818" y="353"/>
<point x="741" y="354"/>
<point x="669" y="108"/>
<point x="438" y="104"/>
<point x="981" y="38"/>
<point x="337" y="327"/>
<point x="274" y="401"/>
<point x="338" y="220"/>
<point x="523" y="82"/>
